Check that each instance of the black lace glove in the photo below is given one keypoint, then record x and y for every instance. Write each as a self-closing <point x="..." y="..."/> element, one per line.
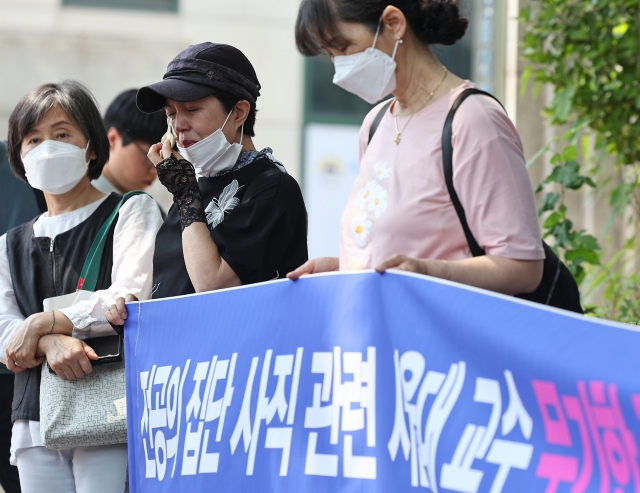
<point x="179" y="177"/>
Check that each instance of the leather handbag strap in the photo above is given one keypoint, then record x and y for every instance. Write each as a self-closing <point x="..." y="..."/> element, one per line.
<point x="447" y="165"/>
<point x="91" y="270"/>
<point x="376" y="121"/>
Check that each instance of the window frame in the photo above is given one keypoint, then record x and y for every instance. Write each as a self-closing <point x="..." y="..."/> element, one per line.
<point x="148" y="5"/>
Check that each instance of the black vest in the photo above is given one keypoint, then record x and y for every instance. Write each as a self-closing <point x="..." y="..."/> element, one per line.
<point x="42" y="268"/>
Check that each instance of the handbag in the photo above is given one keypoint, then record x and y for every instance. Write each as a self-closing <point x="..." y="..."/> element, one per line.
<point x="558" y="287"/>
<point x="92" y="410"/>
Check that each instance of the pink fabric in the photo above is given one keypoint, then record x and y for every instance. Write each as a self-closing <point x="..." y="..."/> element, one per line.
<point x="399" y="203"/>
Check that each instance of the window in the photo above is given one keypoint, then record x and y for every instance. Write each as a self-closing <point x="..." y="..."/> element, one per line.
<point x="326" y="102"/>
<point x="159" y="5"/>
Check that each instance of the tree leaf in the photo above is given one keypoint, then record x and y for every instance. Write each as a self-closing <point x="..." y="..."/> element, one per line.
<point x="570" y="153"/>
<point x="549" y="202"/>
<point x="553" y="220"/>
<point x="620" y="30"/>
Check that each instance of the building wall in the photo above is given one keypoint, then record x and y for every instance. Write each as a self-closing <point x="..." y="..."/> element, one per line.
<point x="112" y="49"/>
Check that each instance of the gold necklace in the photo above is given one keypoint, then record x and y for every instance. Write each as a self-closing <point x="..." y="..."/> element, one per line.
<point x="395" y="115"/>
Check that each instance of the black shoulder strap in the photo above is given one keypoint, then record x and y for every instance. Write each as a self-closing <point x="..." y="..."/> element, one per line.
<point x="447" y="164"/>
<point x="376" y="121"/>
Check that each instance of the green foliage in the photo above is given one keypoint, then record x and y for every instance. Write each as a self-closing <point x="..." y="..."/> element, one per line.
<point x="588" y="51"/>
<point x="621" y="290"/>
<point x="576" y="248"/>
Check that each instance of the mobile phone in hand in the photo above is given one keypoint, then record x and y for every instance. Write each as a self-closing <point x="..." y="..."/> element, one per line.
<point x="171" y="134"/>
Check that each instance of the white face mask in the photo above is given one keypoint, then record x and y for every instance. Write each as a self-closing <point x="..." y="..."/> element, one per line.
<point x="55" y="167"/>
<point x="370" y="74"/>
<point x="213" y="153"/>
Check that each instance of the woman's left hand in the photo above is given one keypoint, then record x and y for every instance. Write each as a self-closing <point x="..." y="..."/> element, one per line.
<point x="118" y="313"/>
<point x="67" y="356"/>
<point x="22" y="348"/>
<point x="179" y="178"/>
<point x="427" y="267"/>
<point x="161" y="151"/>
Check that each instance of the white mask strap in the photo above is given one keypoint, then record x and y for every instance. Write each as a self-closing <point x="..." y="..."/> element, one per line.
<point x="241" y="131"/>
<point x="225" y="122"/>
<point x="375" y="40"/>
<point x="377" y="32"/>
<point x="395" y="49"/>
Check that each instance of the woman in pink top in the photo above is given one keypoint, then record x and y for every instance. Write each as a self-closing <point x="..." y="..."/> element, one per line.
<point x="400" y="214"/>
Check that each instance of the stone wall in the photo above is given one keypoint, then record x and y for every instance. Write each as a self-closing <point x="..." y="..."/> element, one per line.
<point x="112" y="49"/>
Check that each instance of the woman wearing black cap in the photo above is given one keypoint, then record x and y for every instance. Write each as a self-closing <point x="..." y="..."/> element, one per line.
<point x="238" y="217"/>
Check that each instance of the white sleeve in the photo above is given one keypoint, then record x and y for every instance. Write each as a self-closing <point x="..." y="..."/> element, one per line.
<point x="133" y="245"/>
<point x="10" y="314"/>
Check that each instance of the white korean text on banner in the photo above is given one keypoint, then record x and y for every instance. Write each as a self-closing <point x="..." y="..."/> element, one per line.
<point x="378" y="383"/>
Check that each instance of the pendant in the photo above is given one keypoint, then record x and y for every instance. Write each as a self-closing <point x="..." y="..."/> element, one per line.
<point x="398" y="138"/>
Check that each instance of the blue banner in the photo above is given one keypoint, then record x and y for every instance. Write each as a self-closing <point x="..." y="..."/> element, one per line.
<point x="378" y="383"/>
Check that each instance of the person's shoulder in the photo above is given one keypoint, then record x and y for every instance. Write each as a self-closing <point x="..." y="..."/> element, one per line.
<point x="21" y="230"/>
<point x="277" y="178"/>
<point x="288" y="183"/>
<point x="479" y="109"/>
<point x="276" y="184"/>
<point x="484" y="117"/>
<point x="140" y="203"/>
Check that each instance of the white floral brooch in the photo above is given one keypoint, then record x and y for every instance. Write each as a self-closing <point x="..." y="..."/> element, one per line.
<point x="227" y="201"/>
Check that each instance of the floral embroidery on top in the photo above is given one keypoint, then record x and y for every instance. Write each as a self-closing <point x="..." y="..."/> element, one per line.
<point x="370" y="202"/>
<point x="381" y="171"/>
<point x="377" y="203"/>
<point x="371" y="197"/>
<point x="227" y="201"/>
<point x="360" y="227"/>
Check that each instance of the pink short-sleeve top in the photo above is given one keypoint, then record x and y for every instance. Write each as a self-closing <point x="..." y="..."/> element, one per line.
<point x="399" y="203"/>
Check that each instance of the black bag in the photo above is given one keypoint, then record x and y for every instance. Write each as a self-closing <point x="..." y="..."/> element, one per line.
<point x="558" y="288"/>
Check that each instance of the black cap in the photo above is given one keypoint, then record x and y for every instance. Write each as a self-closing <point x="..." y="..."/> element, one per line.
<point x="199" y="71"/>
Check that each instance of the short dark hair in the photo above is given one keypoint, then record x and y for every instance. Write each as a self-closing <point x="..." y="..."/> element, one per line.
<point x="77" y="102"/>
<point x="132" y="124"/>
<point x="229" y="101"/>
<point x="431" y="21"/>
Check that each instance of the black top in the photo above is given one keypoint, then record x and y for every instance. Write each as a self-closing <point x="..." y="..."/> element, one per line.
<point x="42" y="268"/>
<point x="262" y="238"/>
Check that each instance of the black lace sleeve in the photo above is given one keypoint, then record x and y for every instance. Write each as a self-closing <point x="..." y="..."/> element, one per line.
<point x="179" y="177"/>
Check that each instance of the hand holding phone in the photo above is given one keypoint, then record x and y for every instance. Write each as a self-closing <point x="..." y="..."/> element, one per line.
<point x="170" y="134"/>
